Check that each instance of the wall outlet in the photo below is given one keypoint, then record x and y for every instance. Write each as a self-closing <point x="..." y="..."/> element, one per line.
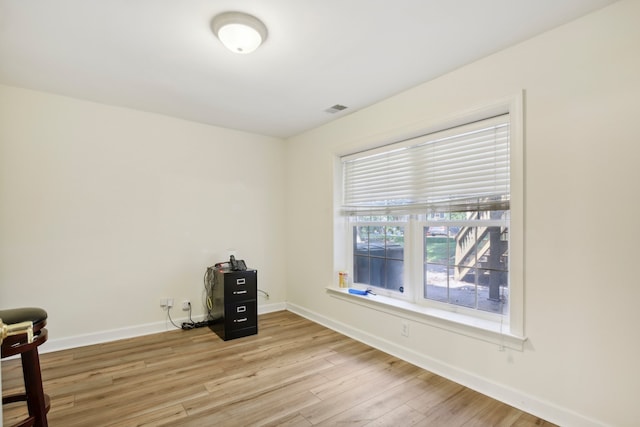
<point x="163" y="302"/>
<point x="169" y="302"/>
<point x="404" y="331"/>
<point x="186" y="304"/>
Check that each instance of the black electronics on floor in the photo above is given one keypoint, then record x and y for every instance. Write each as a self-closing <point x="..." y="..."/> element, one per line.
<point x="235" y="305"/>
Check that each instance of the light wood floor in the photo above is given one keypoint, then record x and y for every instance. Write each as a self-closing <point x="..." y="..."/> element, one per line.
<point x="294" y="373"/>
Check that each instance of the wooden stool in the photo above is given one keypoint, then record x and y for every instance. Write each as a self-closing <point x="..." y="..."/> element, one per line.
<point x="38" y="403"/>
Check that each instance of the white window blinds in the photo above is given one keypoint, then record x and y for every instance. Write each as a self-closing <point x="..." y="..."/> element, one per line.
<point x="459" y="169"/>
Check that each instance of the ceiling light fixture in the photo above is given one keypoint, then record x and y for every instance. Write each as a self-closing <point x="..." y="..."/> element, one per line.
<point x="239" y="32"/>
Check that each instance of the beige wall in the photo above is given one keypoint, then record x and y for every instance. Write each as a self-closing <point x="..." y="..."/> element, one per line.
<point x="105" y="210"/>
<point x="582" y="86"/>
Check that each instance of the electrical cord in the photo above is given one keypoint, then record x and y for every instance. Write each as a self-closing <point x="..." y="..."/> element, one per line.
<point x="169" y="316"/>
<point x="190" y="319"/>
<point x="209" y="284"/>
<point x="190" y="324"/>
<point x="187" y="326"/>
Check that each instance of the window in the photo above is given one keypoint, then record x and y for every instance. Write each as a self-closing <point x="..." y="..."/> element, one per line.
<point x="429" y="219"/>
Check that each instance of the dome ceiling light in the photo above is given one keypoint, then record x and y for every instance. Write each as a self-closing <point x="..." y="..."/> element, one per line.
<point x="239" y="32"/>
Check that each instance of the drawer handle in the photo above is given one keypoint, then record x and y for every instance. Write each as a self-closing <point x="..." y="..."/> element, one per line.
<point x="239" y="292"/>
<point x="241" y="309"/>
<point x="240" y="281"/>
<point x="244" y="319"/>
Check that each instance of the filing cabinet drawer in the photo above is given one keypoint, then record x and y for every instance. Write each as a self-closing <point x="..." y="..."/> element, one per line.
<point x="238" y="333"/>
<point x="242" y="314"/>
<point x="240" y="285"/>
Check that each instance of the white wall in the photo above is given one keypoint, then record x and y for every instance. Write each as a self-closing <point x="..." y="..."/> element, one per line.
<point x="582" y="83"/>
<point x="105" y="210"/>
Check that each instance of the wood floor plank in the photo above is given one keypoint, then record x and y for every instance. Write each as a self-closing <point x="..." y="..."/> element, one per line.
<point x="495" y="414"/>
<point x="294" y="372"/>
<point x="527" y="420"/>
<point x="370" y="410"/>
<point x="437" y="391"/>
<point x="401" y="416"/>
<point x="459" y="408"/>
<point x="289" y="420"/>
<point x="153" y="418"/>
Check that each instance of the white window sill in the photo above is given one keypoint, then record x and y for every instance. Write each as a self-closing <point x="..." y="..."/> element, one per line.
<point x="474" y="327"/>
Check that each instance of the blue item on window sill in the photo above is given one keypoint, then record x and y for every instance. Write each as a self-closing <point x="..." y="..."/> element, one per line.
<point x="360" y="292"/>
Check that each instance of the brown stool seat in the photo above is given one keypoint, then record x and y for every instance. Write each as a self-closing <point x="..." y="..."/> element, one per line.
<point x="38" y="403"/>
<point x="17" y="315"/>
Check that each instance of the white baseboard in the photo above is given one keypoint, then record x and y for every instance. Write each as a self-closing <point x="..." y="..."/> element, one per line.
<point x="270" y="308"/>
<point x="132" y="331"/>
<point x="516" y="398"/>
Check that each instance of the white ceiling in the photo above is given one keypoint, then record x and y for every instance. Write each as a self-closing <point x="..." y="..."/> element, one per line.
<point x="160" y="55"/>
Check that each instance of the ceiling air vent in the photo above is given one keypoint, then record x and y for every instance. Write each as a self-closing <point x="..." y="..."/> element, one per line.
<point x="335" y="109"/>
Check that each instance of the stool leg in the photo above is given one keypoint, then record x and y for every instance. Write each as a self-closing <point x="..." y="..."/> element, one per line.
<point x="33" y="387"/>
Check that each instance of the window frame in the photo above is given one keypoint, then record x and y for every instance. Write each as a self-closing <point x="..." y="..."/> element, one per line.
<point x="500" y="329"/>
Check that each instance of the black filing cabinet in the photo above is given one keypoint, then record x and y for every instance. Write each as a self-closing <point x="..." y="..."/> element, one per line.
<point x="235" y="305"/>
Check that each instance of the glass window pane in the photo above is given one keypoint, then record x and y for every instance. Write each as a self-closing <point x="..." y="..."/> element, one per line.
<point x="495" y="249"/>
<point x="395" y="242"/>
<point x="376" y="241"/>
<point x="436" y="282"/>
<point x="469" y="267"/>
<point x="395" y="275"/>
<point x="461" y="216"/>
<point x="361" y="269"/>
<point x="463" y="292"/>
<point x="361" y="240"/>
<point x="439" y="249"/>
<point x="377" y="272"/>
<point x="493" y="292"/>
<point x="466" y="246"/>
<point x="378" y="256"/>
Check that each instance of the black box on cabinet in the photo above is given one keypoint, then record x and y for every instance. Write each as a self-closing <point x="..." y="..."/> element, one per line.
<point x="234" y="310"/>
